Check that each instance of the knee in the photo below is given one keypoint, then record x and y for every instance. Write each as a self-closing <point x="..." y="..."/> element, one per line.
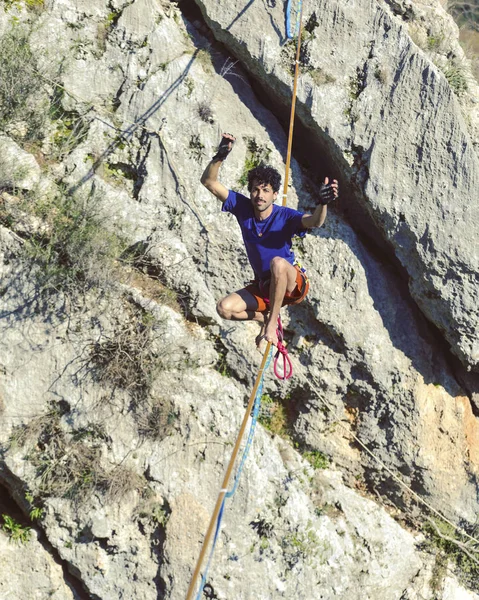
<point x="224" y="309"/>
<point x="278" y="265"/>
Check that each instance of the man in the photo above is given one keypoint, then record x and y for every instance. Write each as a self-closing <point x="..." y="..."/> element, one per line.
<point x="267" y="234"/>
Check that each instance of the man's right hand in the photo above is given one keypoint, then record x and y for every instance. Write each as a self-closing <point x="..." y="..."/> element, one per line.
<point x="210" y="177"/>
<point x="225" y="147"/>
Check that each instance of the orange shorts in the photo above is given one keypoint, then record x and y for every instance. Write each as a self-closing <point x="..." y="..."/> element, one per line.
<point x="260" y="290"/>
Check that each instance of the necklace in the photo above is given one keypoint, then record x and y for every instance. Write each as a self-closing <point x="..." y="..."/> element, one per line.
<point x="260" y="226"/>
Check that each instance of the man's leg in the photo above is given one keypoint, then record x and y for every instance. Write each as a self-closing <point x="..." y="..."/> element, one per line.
<point x="240" y="306"/>
<point x="283" y="279"/>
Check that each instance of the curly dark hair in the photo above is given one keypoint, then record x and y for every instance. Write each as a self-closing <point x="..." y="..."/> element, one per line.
<point x="266" y="176"/>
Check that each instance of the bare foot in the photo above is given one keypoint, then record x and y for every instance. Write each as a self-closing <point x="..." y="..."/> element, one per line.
<point x="270" y="333"/>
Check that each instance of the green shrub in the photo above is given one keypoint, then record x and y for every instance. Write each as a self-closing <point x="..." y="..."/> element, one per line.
<point x="25" y="105"/>
<point x="222" y="365"/>
<point x="65" y="468"/>
<point x="112" y="18"/>
<point x="449" y="546"/>
<point x="73" y="252"/>
<point x="152" y="510"/>
<point x="35" y="5"/>
<point x="76" y="472"/>
<point x="68" y="462"/>
<point x="196" y="147"/>
<point x="255" y="156"/>
<point x="70" y="128"/>
<point x="203" y="56"/>
<point x="148" y="282"/>
<point x="434" y="42"/>
<point x="190" y="85"/>
<point x="316" y="459"/>
<point x="16" y="531"/>
<point x="22" y="100"/>
<point x="304" y="545"/>
<point x="273" y="416"/>
<point x="35" y="511"/>
<point x="156" y="418"/>
<point x="321" y="77"/>
<point x="456" y="77"/>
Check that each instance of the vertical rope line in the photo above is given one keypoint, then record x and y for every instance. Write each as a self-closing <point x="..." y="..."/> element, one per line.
<point x="224" y="487"/>
<point x="230" y="494"/>
<point x="226" y="479"/>
<point x="293" y="108"/>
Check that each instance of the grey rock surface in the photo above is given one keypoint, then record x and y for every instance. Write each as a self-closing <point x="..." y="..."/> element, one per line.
<point x="153" y="92"/>
<point x="29" y="571"/>
<point x="19" y="169"/>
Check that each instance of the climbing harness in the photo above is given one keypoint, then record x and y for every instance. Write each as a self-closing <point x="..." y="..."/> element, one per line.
<point x="230" y="494"/>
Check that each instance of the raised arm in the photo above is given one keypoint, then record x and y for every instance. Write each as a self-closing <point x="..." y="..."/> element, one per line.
<point x="327" y="193"/>
<point x="210" y="180"/>
<point x="210" y="176"/>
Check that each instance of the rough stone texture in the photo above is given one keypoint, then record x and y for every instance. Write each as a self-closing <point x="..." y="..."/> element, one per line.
<point x="30" y="572"/>
<point x="366" y="361"/>
<point x="452" y="591"/>
<point x="389" y="112"/>
<point x="19" y="169"/>
<point x="436" y="33"/>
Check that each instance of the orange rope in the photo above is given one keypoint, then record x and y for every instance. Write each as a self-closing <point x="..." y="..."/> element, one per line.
<point x="293" y="109"/>
<point x="249" y="408"/>
<point x="224" y="487"/>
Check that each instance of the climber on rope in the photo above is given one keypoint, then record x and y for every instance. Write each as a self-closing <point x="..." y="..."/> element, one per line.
<point x="267" y="231"/>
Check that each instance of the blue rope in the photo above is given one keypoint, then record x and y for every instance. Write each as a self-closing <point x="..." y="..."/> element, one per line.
<point x="217" y="531"/>
<point x="290" y="34"/>
<point x="249" y="441"/>
<point x="255" y="415"/>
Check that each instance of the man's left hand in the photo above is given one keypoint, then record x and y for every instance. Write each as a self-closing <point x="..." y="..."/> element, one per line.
<point x="328" y="191"/>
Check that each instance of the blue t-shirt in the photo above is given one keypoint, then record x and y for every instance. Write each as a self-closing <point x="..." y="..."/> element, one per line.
<point x="268" y="238"/>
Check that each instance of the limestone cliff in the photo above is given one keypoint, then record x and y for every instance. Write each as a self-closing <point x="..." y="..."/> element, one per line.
<point x="121" y="390"/>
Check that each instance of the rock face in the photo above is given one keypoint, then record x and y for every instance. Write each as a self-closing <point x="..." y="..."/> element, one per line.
<point x="122" y="391"/>
<point x="393" y="129"/>
<point x="31" y="572"/>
